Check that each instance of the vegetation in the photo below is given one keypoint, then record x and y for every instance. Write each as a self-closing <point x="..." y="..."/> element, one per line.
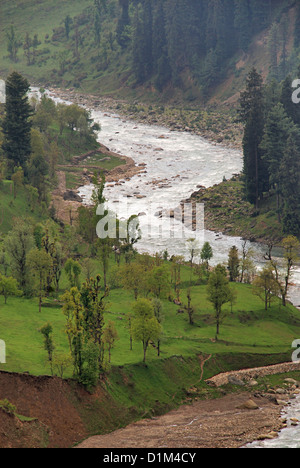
<point x="271" y="136"/>
<point x="79" y="304"/>
<point x="102" y="46"/>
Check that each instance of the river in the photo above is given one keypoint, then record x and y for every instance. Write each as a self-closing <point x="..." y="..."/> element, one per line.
<point x="176" y="163"/>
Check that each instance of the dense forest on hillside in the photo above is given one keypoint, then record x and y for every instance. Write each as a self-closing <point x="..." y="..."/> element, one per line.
<point x="182" y="44"/>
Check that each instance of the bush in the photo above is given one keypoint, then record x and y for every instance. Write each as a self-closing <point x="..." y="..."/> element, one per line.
<point x="7" y="406"/>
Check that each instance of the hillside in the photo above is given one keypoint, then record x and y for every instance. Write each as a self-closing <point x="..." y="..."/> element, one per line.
<point x="79" y="45"/>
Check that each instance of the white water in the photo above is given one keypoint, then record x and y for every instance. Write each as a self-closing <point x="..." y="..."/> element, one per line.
<point x="288" y="437"/>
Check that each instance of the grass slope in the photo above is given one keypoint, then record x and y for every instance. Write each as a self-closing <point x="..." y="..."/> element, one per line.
<point x="248" y="329"/>
<point x="13" y="208"/>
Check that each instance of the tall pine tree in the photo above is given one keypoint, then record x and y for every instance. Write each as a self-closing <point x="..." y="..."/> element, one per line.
<point x="16" y="124"/>
<point x="251" y="114"/>
<point x="290" y="184"/>
<point x="276" y="134"/>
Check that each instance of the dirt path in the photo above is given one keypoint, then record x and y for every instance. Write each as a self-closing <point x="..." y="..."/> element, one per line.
<point x="204" y="424"/>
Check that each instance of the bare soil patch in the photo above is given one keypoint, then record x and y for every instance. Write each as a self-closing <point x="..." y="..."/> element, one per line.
<point x="204" y="424"/>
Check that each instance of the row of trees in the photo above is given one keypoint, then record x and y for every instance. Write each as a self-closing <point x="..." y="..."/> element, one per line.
<point x="38" y="255"/>
<point x="271" y="147"/>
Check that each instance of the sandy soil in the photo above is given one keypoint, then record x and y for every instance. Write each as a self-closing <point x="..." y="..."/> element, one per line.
<point x="204" y="424"/>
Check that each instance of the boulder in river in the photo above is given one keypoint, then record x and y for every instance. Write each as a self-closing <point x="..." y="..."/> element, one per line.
<point x="70" y="195"/>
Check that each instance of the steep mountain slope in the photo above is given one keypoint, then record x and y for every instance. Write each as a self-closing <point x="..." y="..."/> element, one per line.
<point x="116" y="47"/>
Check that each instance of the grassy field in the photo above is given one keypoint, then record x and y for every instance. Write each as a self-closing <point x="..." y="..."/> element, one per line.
<point x="248" y="329"/>
<point x="11" y="208"/>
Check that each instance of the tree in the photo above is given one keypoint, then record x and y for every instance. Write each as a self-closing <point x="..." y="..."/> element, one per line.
<point x="177" y="260"/>
<point x="123" y="24"/>
<point x="265" y="285"/>
<point x="67" y="22"/>
<point x="93" y="301"/>
<point x="13" y="44"/>
<point x="158" y="312"/>
<point x="158" y="281"/>
<point x="39" y="264"/>
<point x="73" y="271"/>
<point x="110" y="335"/>
<point x="17" y="179"/>
<point x="27" y="46"/>
<point x="97" y="29"/>
<point x="9" y="287"/>
<point x="247" y="265"/>
<point x="104" y="250"/>
<point x="276" y="133"/>
<point x="243" y="22"/>
<point x="189" y="308"/>
<point x="218" y="293"/>
<point x="206" y="253"/>
<point x="61" y="362"/>
<point x="291" y="247"/>
<point x="47" y="331"/>
<point x="290" y="184"/>
<point x="73" y="310"/>
<point x="37" y="172"/>
<point x="273" y="46"/>
<point x="16" y="124"/>
<point x="145" y="326"/>
<point x="17" y="245"/>
<point x="193" y="248"/>
<point x="251" y="114"/>
<point x="161" y="63"/>
<point x="233" y="264"/>
<point x="132" y="276"/>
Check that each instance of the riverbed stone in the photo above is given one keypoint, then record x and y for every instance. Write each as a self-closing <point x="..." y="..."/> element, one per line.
<point x="249" y="405"/>
<point x="235" y="381"/>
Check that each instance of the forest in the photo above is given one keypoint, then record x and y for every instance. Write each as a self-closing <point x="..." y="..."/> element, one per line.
<point x="183" y="44"/>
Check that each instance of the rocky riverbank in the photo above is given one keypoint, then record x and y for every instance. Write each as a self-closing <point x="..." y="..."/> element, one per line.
<point x="226" y="211"/>
<point x="232" y="421"/>
<point x="218" y="127"/>
<point x="67" y="201"/>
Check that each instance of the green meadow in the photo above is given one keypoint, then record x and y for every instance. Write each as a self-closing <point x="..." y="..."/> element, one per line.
<point x="246" y="329"/>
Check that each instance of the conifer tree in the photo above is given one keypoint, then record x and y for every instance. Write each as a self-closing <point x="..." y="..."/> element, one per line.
<point x="243" y="23"/>
<point x="123" y="23"/>
<point x="251" y="114"/>
<point x="276" y="134"/>
<point x="17" y="125"/>
<point x="290" y="184"/>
